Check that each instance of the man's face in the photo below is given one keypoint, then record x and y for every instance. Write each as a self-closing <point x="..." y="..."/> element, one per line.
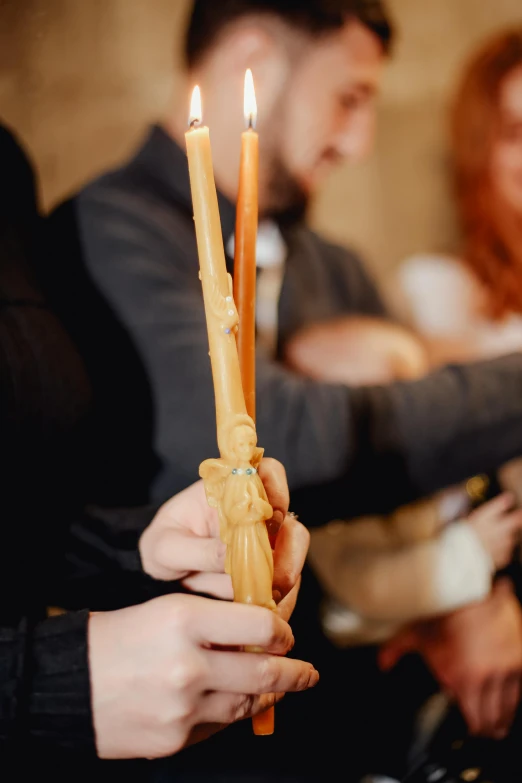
<point x="326" y="114"/>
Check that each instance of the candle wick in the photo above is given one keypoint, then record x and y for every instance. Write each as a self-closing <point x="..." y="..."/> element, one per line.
<point x="195" y="123"/>
<point x="250" y="122"/>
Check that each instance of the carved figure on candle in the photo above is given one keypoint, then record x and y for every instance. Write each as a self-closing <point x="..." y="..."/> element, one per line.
<point x="234" y="488"/>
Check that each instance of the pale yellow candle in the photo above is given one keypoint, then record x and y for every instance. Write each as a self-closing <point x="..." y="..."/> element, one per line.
<point x="217" y="291"/>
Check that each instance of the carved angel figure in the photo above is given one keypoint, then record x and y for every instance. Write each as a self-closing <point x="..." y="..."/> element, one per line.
<point x="234" y="488"/>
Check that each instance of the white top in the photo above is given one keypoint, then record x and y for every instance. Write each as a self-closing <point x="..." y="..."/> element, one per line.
<point x="376" y="591"/>
<point x="441" y="298"/>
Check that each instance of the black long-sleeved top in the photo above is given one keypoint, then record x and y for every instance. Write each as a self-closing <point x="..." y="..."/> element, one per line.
<point x="53" y="550"/>
<point x="127" y="243"/>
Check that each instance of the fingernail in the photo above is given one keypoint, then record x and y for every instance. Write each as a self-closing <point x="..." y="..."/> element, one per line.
<point x="314" y="678"/>
<point x="273" y="525"/>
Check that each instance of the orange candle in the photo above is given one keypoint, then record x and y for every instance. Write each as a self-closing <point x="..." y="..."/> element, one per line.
<point x="245" y="248"/>
<point x="245" y="281"/>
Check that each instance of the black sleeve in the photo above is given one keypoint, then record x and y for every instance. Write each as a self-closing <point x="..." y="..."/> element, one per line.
<point x="44" y="676"/>
<point x="102" y="540"/>
<point x="102" y="563"/>
<point x="383" y="445"/>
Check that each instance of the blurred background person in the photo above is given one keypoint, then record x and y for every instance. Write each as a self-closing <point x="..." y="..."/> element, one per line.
<point x="469" y="306"/>
<point x="126" y="245"/>
<point x="424" y="560"/>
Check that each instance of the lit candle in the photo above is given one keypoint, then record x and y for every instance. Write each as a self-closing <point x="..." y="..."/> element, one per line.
<point x="245" y="247"/>
<point x="232" y="482"/>
<point x="245" y="279"/>
<point x="215" y="279"/>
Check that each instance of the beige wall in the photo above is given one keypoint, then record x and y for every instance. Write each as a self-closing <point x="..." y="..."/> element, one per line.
<point x="80" y="79"/>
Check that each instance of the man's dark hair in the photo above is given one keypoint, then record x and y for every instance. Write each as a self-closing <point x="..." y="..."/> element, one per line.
<point x="209" y="17"/>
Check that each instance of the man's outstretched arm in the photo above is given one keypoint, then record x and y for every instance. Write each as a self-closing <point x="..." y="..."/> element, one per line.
<point x="381" y="445"/>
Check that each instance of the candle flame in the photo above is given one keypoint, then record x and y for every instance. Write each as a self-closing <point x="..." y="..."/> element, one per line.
<point x="250" y="100"/>
<point x="196" y="111"/>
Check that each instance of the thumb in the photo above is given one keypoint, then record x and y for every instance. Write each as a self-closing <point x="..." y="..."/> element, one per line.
<point x="390" y="653"/>
<point x="515" y="521"/>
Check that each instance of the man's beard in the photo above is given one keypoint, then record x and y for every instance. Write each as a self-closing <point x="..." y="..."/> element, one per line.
<point x="287" y="199"/>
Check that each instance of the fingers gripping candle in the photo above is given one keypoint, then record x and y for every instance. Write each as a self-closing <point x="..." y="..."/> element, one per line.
<point x="232" y="482"/>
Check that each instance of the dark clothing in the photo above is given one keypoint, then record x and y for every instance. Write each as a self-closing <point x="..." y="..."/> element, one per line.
<point x="54" y="552"/>
<point x="130" y="237"/>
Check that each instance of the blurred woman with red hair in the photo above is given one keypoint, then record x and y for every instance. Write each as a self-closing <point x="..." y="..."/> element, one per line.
<point x="471" y="307"/>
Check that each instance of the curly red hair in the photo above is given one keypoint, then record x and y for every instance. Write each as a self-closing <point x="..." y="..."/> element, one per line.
<point x="492" y="235"/>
